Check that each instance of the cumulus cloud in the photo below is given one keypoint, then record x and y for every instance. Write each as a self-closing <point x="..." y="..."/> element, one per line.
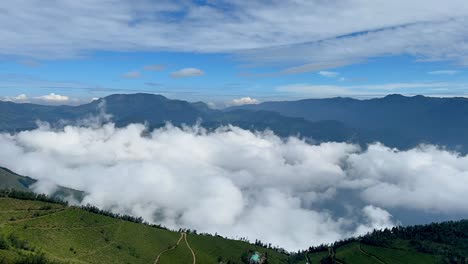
<point x="328" y="74"/>
<point x="132" y="75"/>
<point x="187" y="72"/>
<point x="424" y="178"/>
<point x="241" y="183"/>
<point x="53" y="98"/>
<point x="376" y="218"/>
<point x="243" y="101"/>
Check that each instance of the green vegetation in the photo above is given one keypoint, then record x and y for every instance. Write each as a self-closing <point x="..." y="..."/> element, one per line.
<point x="38" y="229"/>
<point x="399" y="256"/>
<point x="426" y="244"/>
<point x="35" y="229"/>
<point x="11" y="180"/>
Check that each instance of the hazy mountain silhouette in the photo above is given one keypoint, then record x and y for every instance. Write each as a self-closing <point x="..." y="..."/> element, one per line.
<point x="395" y="120"/>
<point x="156" y="110"/>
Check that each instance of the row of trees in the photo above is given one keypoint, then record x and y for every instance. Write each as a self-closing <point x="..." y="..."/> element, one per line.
<point x="11" y="193"/>
<point x="448" y="239"/>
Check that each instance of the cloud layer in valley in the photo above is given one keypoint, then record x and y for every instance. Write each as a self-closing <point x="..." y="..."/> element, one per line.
<point x="240" y="183"/>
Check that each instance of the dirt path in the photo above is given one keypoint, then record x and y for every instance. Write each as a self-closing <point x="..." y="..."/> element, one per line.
<point x="193" y="253"/>
<point x="182" y="236"/>
<point x="370" y="255"/>
<point x="171" y="248"/>
<point x="36" y="217"/>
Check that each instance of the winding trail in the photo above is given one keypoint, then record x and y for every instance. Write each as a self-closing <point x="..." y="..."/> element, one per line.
<point x="370" y="255"/>
<point x="37" y="217"/>
<point x="171" y="248"/>
<point x="182" y="236"/>
<point x="193" y="253"/>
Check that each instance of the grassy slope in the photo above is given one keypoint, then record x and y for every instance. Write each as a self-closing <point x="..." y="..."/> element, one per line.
<point x="181" y="254"/>
<point x="398" y="256"/>
<point x="11" y="180"/>
<point x="352" y="254"/>
<point x="73" y="235"/>
<point x="209" y="248"/>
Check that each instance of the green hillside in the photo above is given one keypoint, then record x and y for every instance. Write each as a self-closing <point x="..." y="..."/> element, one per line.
<point x="38" y="229"/>
<point x="67" y="234"/>
<point x="11" y="180"/>
<point x="360" y="253"/>
<point x="445" y="242"/>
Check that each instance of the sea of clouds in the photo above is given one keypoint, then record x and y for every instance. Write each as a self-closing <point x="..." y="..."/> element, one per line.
<point x="240" y="183"/>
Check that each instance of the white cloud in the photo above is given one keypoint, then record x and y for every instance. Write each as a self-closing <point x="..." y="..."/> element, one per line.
<point x="424" y="178"/>
<point x="260" y="31"/>
<point x="259" y="185"/>
<point x="328" y="74"/>
<point x="444" y="72"/>
<point x="243" y="101"/>
<point x="154" y="67"/>
<point x="21" y="98"/>
<point x="441" y="89"/>
<point x="187" y="72"/>
<point x="132" y="75"/>
<point x="377" y="218"/>
<point x="53" y="98"/>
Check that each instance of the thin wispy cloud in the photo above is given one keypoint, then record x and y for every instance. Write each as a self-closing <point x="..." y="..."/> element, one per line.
<point x="441" y="89"/>
<point x="436" y="32"/>
<point x="444" y="72"/>
<point x="328" y="74"/>
<point x="187" y="72"/>
<point x="132" y="75"/>
<point x="30" y="63"/>
<point x="153" y="84"/>
<point x="154" y="67"/>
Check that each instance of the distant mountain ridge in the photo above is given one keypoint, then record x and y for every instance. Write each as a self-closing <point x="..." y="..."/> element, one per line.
<point x="14" y="181"/>
<point x="395" y="120"/>
<point x="156" y="110"/>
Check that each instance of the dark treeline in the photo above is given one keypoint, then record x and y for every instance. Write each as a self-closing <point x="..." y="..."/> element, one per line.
<point x="448" y="239"/>
<point x="21" y="195"/>
<point x="139" y="220"/>
<point x="11" y="193"/>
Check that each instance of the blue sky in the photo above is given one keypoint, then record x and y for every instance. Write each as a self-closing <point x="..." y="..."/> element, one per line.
<point x="69" y="52"/>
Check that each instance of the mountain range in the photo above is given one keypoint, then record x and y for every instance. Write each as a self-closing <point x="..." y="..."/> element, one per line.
<point x="395" y="120"/>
